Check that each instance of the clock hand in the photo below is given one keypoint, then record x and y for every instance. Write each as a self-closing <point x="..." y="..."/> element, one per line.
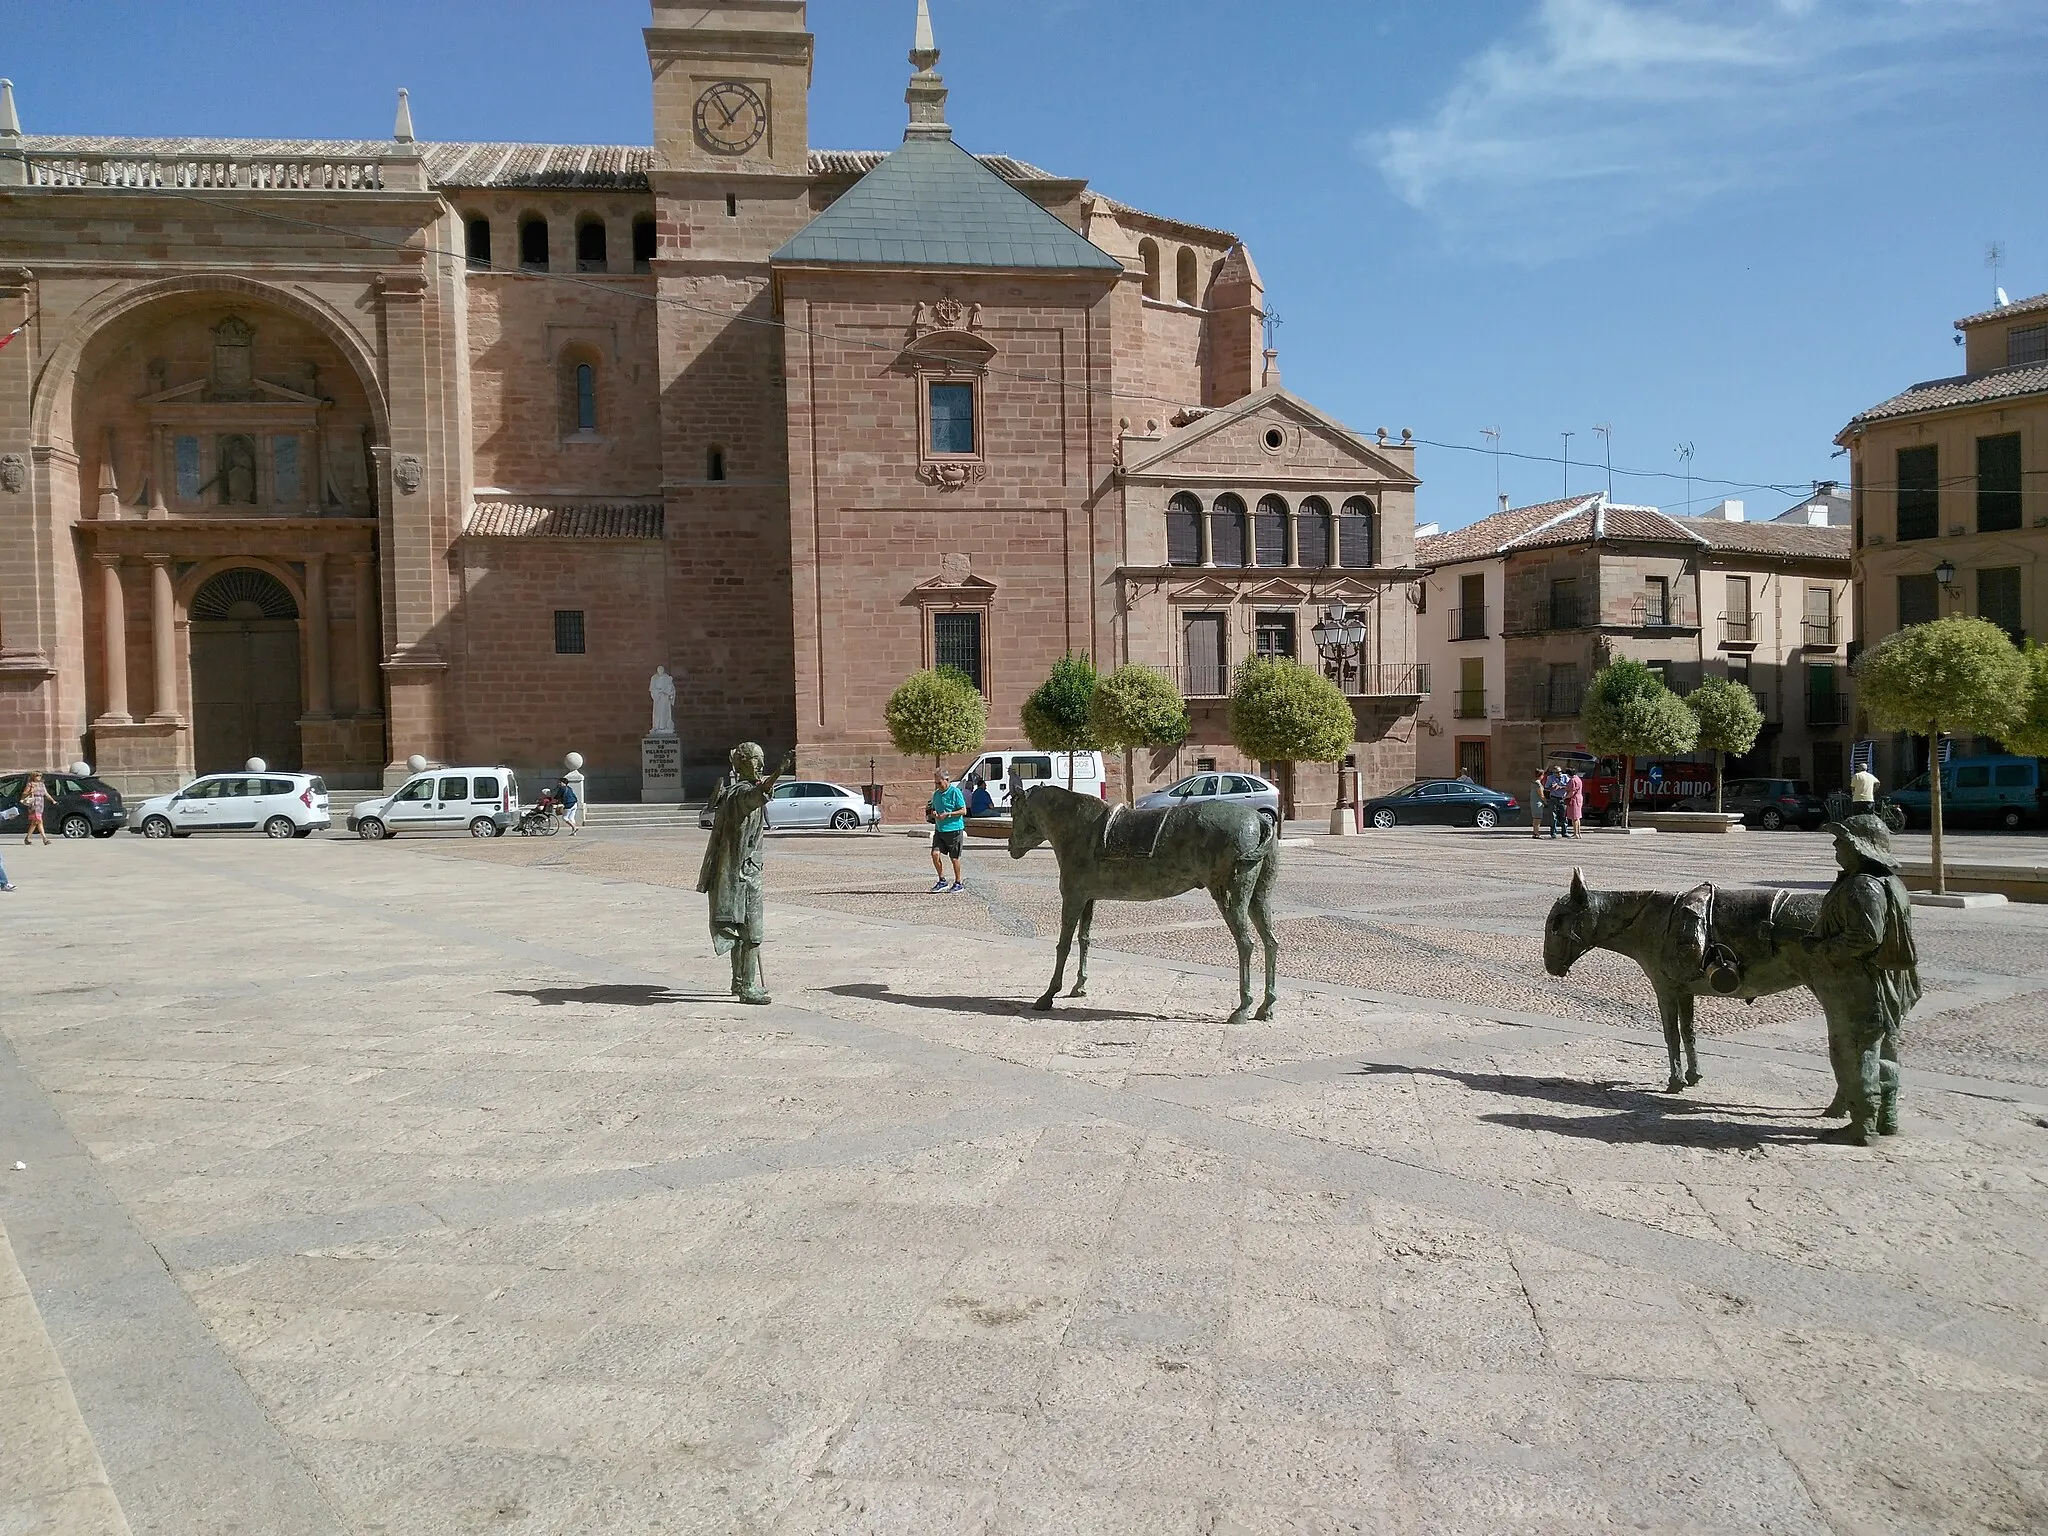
<point x="729" y="116"/>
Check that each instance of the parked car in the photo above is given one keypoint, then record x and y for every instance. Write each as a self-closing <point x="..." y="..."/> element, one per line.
<point x="1456" y="802"/>
<point x="79" y="805"/>
<point x="1766" y="803"/>
<point x="811" y="803"/>
<point x="1011" y="773"/>
<point x="481" y="801"/>
<point x="275" y="804"/>
<point x="1235" y="788"/>
<point x="2002" y="791"/>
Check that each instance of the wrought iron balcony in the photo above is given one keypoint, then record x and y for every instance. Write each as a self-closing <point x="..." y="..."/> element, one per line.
<point x="1739" y="629"/>
<point x="1825" y="709"/>
<point x="1820" y="633"/>
<point x="1468" y="623"/>
<point x="1471" y="704"/>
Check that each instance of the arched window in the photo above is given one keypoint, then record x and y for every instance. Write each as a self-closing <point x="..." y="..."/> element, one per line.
<point x="590" y="246"/>
<point x="1184" y="530"/>
<point x="1226" y="531"/>
<point x="714" y="464"/>
<point x="643" y="244"/>
<point x="1269" y="532"/>
<point x="1357" y="536"/>
<point x="477" y="244"/>
<point x="1188" y="278"/>
<point x="579" y="389"/>
<point x="533" y="244"/>
<point x="1312" y="534"/>
<point x="586" y="398"/>
<point x="1148" y="253"/>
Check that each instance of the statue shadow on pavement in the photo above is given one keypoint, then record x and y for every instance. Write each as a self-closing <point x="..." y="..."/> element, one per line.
<point x="995" y="1007"/>
<point x="1637" y="1115"/>
<point x="613" y="995"/>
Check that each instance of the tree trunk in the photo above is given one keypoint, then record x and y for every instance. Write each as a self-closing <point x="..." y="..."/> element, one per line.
<point x="1720" y="772"/>
<point x="1628" y="788"/>
<point x="1130" y="776"/>
<point x="1934" y="805"/>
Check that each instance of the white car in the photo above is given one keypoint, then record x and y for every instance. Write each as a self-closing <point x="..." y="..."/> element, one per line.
<point x="275" y="804"/>
<point x="808" y="803"/>
<point x="483" y="802"/>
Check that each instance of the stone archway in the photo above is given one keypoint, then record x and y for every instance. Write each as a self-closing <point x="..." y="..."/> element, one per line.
<point x="246" y="699"/>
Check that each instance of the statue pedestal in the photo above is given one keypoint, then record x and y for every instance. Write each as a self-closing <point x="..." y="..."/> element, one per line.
<point x="661" y="770"/>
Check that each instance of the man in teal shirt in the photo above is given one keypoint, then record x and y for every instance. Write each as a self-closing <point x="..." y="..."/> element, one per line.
<point x="947" y="812"/>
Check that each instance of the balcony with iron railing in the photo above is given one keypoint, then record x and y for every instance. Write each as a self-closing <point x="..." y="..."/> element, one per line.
<point x="1643" y="614"/>
<point x="1408" y="680"/>
<point x="1825" y="709"/>
<point x="1820" y="634"/>
<point x="1739" y="630"/>
<point x="1470" y="704"/>
<point x="1468" y="623"/>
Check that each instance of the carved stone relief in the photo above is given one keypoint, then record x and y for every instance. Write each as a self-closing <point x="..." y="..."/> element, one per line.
<point x="952" y="477"/>
<point x="406" y="471"/>
<point x="13" y="472"/>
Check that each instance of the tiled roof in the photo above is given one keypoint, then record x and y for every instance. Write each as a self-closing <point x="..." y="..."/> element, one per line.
<point x="1790" y="540"/>
<point x="1200" y="231"/>
<point x="1612" y="520"/>
<point x="1575" y="520"/>
<point x="858" y="162"/>
<point x="565" y="520"/>
<point x="616" y="167"/>
<point x="931" y="204"/>
<point x="1491" y="535"/>
<point x="1963" y="389"/>
<point x="2006" y="311"/>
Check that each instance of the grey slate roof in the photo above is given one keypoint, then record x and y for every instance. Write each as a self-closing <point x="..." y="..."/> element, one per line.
<point x="1963" y="389"/>
<point x="931" y="204"/>
<point x="496" y="519"/>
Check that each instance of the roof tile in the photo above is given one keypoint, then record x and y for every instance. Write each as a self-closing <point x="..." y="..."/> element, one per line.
<point x="1963" y="389"/>
<point x="513" y="519"/>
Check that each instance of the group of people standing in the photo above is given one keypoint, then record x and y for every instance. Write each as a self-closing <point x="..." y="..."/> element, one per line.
<point x="1558" y="800"/>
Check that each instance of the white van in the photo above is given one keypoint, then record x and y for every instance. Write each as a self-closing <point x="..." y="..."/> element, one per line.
<point x="1011" y="773"/>
<point x="481" y="801"/>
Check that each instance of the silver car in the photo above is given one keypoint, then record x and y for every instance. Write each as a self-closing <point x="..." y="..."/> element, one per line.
<point x="808" y="803"/>
<point x="1235" y="788"/>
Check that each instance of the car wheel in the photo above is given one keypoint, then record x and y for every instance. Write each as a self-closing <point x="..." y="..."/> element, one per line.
<point x="1486" y="818"/>
<point x="75" y="827"/>
<point x="1771" y="819"/>
<point x="156" y="826"/>
<point x="371" y="830"/>
<point x="280" y="827"/>
<point x="845" y="821"/>
<point x="1384" y="819"/>
<point x="2009" y="819"/>
<point x="483" y="826"/>
<point x="1270" y="820"/>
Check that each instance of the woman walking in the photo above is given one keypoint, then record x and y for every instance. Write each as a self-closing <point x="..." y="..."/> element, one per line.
<point x="35" y="798"/>
<point x="1575" y="799"/>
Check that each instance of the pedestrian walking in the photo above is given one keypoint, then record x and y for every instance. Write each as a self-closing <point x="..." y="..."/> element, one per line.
<point x="566" y="793"/>
<point x="947" y="812"/>
<point x="35" y="798"/>
<point x="1863" y="792"/>
<point x="1536" y="805"/>
<point x="1575" y="799"/>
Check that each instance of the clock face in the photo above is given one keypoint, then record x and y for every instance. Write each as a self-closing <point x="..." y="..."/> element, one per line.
<point x="731" y="118"/>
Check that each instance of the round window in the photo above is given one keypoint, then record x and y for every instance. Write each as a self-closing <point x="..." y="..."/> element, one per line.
<point x="1275" y="439"/>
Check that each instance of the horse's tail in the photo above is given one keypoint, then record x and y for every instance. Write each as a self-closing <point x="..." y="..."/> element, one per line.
<point x="1268" y="856"/>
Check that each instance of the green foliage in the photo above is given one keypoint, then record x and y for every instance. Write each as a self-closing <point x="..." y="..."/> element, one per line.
<point x="935" y="714"/>
<point x="1729" y="720"/>
<point x="2030" y="737"/>
<point x="1056" y="715"/>
<point x="1952" y="675"/>
<point x="1283" y="712"/>
<point x="1137" y="707"/>
<point x="1630" y="713"/>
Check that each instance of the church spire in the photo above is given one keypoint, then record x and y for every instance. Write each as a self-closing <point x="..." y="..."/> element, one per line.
<point x="927" y="93"/>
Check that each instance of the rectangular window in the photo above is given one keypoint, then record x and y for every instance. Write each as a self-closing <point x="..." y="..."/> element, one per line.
<point x="1998" y="483"/>
<point x="952" y="408"/>
<point x="1354" y="542"/>
<point x="1657" y="601"/>
<point x="1919" y="480"/>
<point x="455" y="789"/>
<point x="1919" y="600"/>
<point x="1275" y="635"/>
<point x="1564" y="694"/>
<point x="1737" y="626"/>
<point x="2026" y="344"/>
<point x="1820" y="616"/>
<point x="186" y="452"/>
<point x="1564" y="603"/>
<point x="1203" y="656"/>
<point x="568" y="631"/>
<point x="1469" y="622"/>
<point x="1823" y="702"/>
<point x="284" y="470"/>
<point x="956" y="643"/>
<point x="1471" y="703"/>
<point x="643" y="244"/>
<point x="1998" y="599"/>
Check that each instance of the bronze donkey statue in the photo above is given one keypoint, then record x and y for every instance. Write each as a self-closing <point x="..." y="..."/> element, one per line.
<point x="1114" y="854"/>
<point x="1739" y="943"/>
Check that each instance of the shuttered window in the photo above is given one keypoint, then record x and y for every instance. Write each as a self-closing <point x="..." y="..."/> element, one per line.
<point x="1227" y="532"/>
<point x="1184" y="531"/>
<point x="1919" y="478"/>
<point x="1312" y="534"/>
<point x="1204" y="659"/>
<point x="1356" y="538"/>
<point x="1998" y="483"/>
<point x="1270" y="532"/>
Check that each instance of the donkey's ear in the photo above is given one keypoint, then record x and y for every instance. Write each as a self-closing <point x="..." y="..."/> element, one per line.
<point x="1578" y="887"/>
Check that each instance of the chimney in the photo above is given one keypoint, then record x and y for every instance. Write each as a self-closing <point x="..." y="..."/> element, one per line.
<point x="1817" y="514"/>
<point x="1725" y="512"/>
<point x="1503" y="501"/>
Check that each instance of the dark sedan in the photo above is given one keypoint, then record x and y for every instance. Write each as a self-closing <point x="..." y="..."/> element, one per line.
<point x="79" y="806"/>
<point x="1455" y="802"/>
<point x="1767" y="803"/>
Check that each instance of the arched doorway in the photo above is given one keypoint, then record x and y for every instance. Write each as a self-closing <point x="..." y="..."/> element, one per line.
<point x="245" y="672"/>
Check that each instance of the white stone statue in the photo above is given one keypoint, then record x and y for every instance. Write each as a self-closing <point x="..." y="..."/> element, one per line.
<point x="661" y="688"/>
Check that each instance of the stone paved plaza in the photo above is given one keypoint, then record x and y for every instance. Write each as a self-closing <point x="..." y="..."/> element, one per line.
<point x="433" y="1187"/>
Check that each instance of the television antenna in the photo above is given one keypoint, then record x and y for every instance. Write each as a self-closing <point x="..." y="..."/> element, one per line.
<point x="1568" y="436"/>
<point x="1606" y="431"/>
<point x="1685" y="456"/>
<point x="1492" y="436"/>
<point x="1994" y="258"/>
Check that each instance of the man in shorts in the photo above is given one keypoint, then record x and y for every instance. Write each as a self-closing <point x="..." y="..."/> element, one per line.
<point x="947" y="812"/>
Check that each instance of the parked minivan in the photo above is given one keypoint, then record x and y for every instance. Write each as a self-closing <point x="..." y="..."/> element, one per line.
<point x="1011" y="773"/>
<point x="482" y="801"/>
<point x="2004" y="791"/>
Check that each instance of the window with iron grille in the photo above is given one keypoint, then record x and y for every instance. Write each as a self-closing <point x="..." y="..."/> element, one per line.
<point x="1312" y="534"/>
<point x="1919" y="481"/>
<point x="956" y="643"/>
<point x="1998" y="483"/>
<point x="1226" y="531"/>
<point x="568" y="631"/>
<point x="1564" y="693"/>
<point x="2026" y="344"/>
<point x="1270" y="532"/>
<point x="1657" y="601"/>
<point x="1275" y="635"/>
<point x="1184" y="530"/>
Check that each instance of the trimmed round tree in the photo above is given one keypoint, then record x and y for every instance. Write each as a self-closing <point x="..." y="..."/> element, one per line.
<point x="1935" y="679"/>
<point x="1136" y="707"/>
<point x="936" y="714"/>
<point x="1056" y="714"/>
<point x="1729" y="723"/>
<point x="1283" y="712"/>
<point x="2030" y="737"/>
<point x="1629" y="713"/>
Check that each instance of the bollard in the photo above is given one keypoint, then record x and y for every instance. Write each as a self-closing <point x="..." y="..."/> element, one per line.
<point x="574" y="779"/>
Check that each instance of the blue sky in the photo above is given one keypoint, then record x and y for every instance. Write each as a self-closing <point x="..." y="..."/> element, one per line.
<point x="1731" y="223"/>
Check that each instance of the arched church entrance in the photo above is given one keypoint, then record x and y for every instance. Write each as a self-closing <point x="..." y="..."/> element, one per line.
<point x="245" y="672"/>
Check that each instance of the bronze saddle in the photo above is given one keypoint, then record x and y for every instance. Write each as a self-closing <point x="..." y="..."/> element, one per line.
<point x="1723" y="933"/>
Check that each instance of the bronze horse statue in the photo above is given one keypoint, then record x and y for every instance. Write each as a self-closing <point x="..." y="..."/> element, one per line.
<point x="1110" y="853"/>
<point x="1738" y="943"/>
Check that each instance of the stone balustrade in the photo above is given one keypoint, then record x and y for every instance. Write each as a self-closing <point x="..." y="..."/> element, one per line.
<point x="268" y="173"/>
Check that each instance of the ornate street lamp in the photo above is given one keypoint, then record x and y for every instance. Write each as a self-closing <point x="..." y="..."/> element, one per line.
<point x="1945" y="573"/>
<point x="1340" y="639"/>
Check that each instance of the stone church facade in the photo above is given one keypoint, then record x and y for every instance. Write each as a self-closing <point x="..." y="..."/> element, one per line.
<point x="337" y="452"/>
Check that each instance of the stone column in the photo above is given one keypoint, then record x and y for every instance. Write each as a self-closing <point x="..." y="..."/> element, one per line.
<point x="369" y="642"/>
<point x="163" y="640"/>
<point x="319" y="691"/>
<point x="116" y="640"/>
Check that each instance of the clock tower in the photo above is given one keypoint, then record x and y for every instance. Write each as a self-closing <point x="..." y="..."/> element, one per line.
<point x="732" y="81"/>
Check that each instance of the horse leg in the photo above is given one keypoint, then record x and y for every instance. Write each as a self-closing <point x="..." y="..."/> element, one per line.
<point x="1262" y="914"/>
<point x="1236" y="904"/>
<point x="1070" y="915"/>
<point x="1081" y="973"/>
<point x="1668" y="1004"/>
<point x="1692" y="1055"/>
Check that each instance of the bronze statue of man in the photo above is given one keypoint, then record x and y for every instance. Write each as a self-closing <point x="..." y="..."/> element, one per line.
<point x="1866" y="934"/>
<point x="731" y="874"/>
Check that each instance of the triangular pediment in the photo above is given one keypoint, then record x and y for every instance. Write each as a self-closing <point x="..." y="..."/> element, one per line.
<point x="1234" y="442"/>
<point x="959" y="587"/>
<point x="1354" y="587"/>
<point x="1279" y="590"/>
<point x="260" y="392"/>
<point x="1208" y="589"/>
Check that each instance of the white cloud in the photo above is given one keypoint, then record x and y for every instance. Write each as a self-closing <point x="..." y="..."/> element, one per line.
<point x="1602" y="116"/>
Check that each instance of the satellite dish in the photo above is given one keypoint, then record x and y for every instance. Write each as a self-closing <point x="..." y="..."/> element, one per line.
<point x="2002" y="299"/>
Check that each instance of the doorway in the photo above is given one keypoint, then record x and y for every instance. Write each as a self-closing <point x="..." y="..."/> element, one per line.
<point x="1472" y="758"/>
<point x="245" y="672"/>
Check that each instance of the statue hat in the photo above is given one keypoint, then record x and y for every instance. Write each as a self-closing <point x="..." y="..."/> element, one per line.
<point x="1869" y="837"/>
